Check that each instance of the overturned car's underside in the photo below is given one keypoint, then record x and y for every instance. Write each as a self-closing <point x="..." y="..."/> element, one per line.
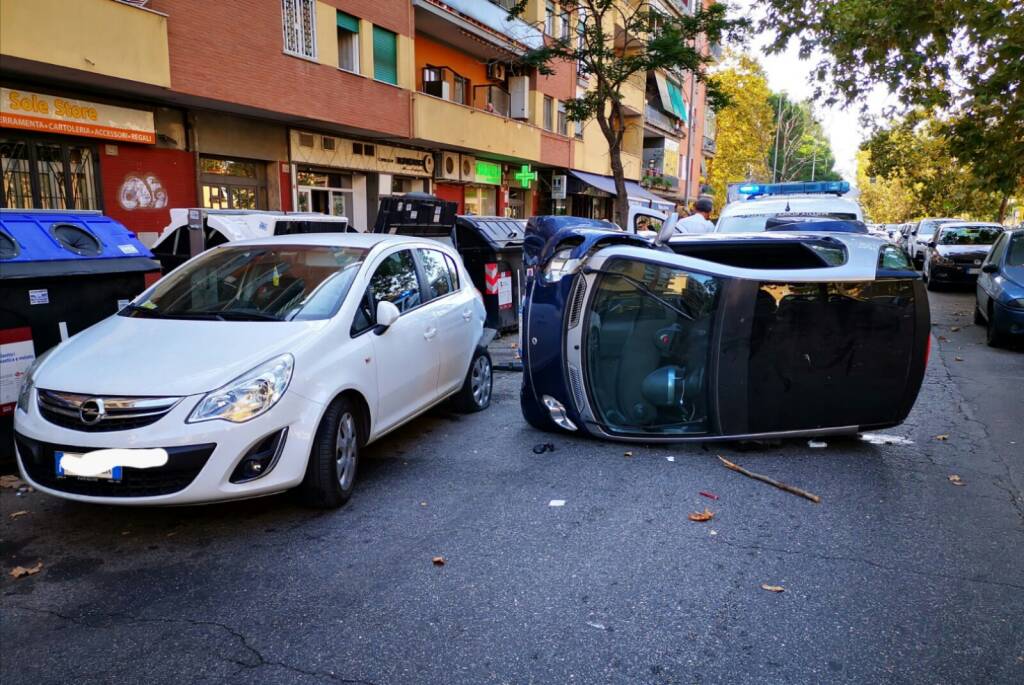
<point x="718" y="336"/>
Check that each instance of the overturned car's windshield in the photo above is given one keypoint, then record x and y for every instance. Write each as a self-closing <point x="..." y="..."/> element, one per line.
<point x="648" y="340"/>
<point x="255" y="283"/>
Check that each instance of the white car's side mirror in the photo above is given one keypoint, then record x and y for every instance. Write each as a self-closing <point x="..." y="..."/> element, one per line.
<point x="387" y="314"/>
<point x="667" y="230"/>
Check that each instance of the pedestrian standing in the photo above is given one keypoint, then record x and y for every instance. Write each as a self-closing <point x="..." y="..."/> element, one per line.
<point x="698" y="221"/>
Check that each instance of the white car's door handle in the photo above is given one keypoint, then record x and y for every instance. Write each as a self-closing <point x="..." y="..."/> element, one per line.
<point x="467" y="315"/>
<point x="429" y="333"/>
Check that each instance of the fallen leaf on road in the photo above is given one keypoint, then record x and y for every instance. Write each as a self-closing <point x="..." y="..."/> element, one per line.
<point x="773" y="588"/>
<point x="958" y="359"/>
<point x="20" y="571"/>
<point x="11" y="482"/>
<point x="956" y="480"/>
<point x="16" y="514"/>
<point x="944" y="436"/>
<point x="709" y="495"/>
<point x="438" y="561"/>
<point x="701" y="516"/>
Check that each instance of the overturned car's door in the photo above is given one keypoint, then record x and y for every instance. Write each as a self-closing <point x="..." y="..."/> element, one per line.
<point x="698" y="344"/>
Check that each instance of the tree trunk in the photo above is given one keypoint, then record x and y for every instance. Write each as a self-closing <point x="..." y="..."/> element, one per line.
<point x="621" y="205"/>
<point x="1003" y="206"/>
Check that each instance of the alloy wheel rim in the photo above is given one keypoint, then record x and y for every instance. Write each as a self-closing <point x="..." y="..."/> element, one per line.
<point x="480" y="381"/>
<point x="346" y="450"/>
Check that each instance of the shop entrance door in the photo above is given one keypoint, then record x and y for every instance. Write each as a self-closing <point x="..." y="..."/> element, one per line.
<point x="325" y="192"/>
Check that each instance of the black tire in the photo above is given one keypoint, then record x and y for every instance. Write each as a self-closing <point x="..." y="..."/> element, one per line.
<point x="475" y="394"/>
<point x="324" y="487"/>
<point x="979" y="320"/>
<point x="993" y="336"/>
<point x="932" y="285"/>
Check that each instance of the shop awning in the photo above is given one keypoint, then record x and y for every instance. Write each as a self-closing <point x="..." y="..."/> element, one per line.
<point x="672" y="100"/>
<point x="636" y="193"/>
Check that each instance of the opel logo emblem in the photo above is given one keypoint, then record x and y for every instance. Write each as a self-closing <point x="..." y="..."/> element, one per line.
<point x="92" y="411"/>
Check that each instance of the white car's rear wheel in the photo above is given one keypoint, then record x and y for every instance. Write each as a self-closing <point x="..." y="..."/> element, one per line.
<point x="475" y="394"/>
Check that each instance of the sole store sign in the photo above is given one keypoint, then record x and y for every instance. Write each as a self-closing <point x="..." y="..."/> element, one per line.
<point x="51" y="114"/>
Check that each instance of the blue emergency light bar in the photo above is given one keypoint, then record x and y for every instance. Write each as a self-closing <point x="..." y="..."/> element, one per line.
<point x="810" y="188"/>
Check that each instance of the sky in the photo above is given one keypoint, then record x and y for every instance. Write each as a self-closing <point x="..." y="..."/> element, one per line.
<point x="788" y="73"/>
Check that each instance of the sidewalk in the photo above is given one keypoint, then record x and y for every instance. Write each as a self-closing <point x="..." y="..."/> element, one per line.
<point x="504" y="351"/>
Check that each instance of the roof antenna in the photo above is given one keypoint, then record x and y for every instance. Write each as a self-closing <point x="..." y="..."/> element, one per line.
<point x="787" y="206"/>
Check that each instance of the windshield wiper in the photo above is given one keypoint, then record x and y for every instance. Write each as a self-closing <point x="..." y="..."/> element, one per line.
<point x="235" y="315"/>
<point x="642" y="287"/>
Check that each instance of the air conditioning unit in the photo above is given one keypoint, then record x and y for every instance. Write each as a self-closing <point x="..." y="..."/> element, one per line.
<point x="447" y="167"/>
<point x="468" y="169"/>
<point x="519" y="96"/>
<point x="496" y="71"/>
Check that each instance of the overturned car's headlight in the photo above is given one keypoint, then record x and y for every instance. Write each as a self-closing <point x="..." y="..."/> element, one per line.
<point x="249" y="395"/>
<point x="560" y="264"/>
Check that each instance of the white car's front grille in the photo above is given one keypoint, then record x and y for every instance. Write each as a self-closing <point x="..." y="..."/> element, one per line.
<point x="93" y="413"/>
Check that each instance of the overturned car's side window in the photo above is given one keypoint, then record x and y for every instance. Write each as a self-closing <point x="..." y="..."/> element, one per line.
<point x="647" y="348"/>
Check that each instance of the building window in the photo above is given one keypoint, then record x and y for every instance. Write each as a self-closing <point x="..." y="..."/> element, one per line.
<point x="549" y="17"/>
<point x="563" y="122"/>
<point x="549" y="114"/>
<point x="48" y="174"/>
<point x="348" y="42"/>
<point x="581" y="39"/>
<point x="299" y="19"/>
<point x="233" y="183"/>
<point x="579" y="129"/>
<point x="566" y="29"/>
<point x="385" y="55"/>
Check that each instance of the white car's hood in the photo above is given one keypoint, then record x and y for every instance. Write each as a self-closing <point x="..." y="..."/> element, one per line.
<point x="161" y="357"/>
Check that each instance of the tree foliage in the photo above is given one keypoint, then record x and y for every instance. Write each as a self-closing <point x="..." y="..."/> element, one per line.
<point x="887" y="200"/>
<point x="800" y="150"/>
<point x="915" y="154"/>
<point x="617" y="41"/>
<point x="962" y="59"/>
<point x="744" y="128"/>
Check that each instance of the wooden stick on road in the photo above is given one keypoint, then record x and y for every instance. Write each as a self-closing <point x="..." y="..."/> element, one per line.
<point x="771" y="481"/>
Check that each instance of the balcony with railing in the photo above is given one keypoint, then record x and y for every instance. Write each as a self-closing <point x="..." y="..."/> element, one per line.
<point x="493" y="99"/>
<point x="445" y="83"/>
<point x="439" y="121"/>
<point x="490" y="31"/>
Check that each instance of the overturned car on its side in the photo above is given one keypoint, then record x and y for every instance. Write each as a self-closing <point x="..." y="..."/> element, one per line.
<point x="718" y="336"/>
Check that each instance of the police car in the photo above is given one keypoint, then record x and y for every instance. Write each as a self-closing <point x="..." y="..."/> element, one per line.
<point x="760" y="202"/>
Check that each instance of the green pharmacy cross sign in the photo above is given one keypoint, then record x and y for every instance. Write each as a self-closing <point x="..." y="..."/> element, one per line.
<point x="525" y="175"/>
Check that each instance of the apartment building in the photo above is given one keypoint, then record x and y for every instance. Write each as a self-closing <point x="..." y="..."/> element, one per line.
<point x="137" y="106"/>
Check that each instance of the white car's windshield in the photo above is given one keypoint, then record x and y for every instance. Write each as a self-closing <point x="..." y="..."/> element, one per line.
<point x="255" y="283"/>
<point x="746" y="223"/>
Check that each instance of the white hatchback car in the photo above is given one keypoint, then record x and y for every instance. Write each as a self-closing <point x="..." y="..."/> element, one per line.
<point x="256" y="367"/>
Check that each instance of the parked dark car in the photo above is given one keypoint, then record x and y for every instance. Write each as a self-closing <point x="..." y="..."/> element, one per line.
<point x="1000" y="290"/>
<point x="718" y="336"/>
<point x="956" y="251"/>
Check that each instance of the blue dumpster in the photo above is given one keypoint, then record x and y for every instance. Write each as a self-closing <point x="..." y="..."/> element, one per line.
<point x="60" y="272"/>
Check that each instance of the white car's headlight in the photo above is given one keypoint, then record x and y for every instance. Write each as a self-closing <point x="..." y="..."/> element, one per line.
<point x="249" y="395"/>
<point x="25" y="393"/>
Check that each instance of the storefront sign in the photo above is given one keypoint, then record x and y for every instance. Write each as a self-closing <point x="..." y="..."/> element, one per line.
<point x="488" y="172"/>
<point x="50" y="114"/>
<point x="525" y="175"/>
<point x="343" y="153"/>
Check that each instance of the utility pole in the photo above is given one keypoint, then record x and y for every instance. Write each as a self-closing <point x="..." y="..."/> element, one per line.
<point x="814" y="160"/>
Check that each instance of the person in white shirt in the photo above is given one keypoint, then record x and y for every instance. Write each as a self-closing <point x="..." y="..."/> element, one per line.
<point x="698" y="221"/>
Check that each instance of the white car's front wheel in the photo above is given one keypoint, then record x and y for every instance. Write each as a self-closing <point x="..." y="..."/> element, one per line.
<point x="334" y="459"/>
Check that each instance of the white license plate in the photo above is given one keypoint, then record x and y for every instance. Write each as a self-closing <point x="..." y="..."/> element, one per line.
<point x="974" y="272"/>
<point x="113" y="474"/>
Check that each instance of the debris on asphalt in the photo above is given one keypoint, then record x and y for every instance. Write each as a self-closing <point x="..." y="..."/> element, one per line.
<point x="956" y="480"/>
<point x="709" y="495"/>
<point x="627" y="454"/>
<point x="543" y="447"/>
<point x="955" y="328"/>
<point x="423" y="504"/>
<point x="670" y="458"/>
<point x="943" y="338"/>
<point x="771" y="481"/>
<point x="713" y="532"/>
<point x="556" y="503"/>
<point x="702" y="516"/>
<point x="595" y="624"/>
<point x="958" y="359"/>
<point x="944" y="436"/>
<point x="16" y="514"/>
<point x="11" y="482"/>
<point x="438" y="561"/>
<point x="772" y="588"/>
<point x="882" y="439"/>
<point x="817" y="444"/>
<point x="22" y="571"/>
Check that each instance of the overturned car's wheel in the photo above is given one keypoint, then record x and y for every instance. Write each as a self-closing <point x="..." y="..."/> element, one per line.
<point x="334" y="459"/>
<point x="475" y="394"/>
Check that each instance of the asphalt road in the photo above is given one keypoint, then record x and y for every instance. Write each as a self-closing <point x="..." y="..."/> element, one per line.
<point x="898" y="575"/>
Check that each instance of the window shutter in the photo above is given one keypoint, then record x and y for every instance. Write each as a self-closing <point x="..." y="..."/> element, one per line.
<point x="385" y="55"/>
<point x="348" y="22"/>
